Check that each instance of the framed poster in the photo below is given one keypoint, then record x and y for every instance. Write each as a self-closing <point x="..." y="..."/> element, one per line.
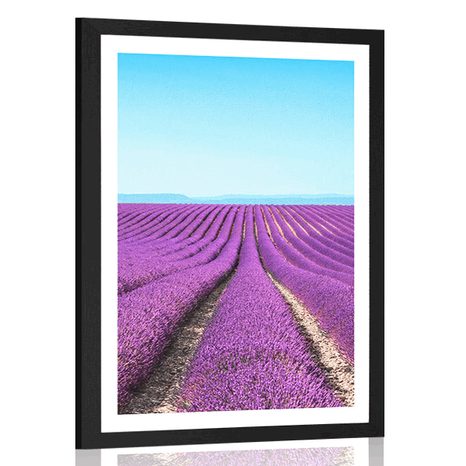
<point x="229" y="233"/>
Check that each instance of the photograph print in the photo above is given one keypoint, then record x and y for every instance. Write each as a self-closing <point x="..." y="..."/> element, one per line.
<point x="236" y="234"/>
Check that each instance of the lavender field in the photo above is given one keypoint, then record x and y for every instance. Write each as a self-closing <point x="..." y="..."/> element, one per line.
<point x="235" y="307"/>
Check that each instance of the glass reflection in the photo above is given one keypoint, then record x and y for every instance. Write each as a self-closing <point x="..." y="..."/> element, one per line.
<point x="353" y="454"/>
<point x="316" y="456"/>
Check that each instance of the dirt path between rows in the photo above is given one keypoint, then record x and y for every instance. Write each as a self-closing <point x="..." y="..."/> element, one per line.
<point x="340" y="372"/>
<point x="159" y="394"/>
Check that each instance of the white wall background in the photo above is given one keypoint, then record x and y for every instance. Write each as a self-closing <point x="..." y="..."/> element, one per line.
<point x="425" y="181"/>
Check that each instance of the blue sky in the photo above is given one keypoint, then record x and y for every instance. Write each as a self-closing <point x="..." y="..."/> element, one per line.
<point x="206" y="126"/>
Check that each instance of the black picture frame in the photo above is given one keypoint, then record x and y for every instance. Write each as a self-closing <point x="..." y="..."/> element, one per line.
<point x="88" y="235"/>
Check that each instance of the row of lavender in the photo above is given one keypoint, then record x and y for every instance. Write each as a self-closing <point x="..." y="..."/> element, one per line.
<point x="252" y="355"/>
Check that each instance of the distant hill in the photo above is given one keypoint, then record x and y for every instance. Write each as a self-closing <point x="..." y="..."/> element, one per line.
<point x="161" y="198"/>
<point x="279" y="199"/>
